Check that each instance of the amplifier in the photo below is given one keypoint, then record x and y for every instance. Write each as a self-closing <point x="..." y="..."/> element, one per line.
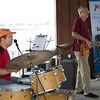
<point x="70" y="69"/>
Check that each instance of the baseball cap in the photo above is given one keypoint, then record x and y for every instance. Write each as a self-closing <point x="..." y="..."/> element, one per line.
<point x="4" y="31"/>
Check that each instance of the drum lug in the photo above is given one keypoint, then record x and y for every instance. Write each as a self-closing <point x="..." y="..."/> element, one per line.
<point x="44" y="76"/>
<point x="62" y="69"/>
<point x="24" y="93"/>
<point x="32" y="82"/>
<point x="11" y="94"/>
<point x="0" y="94"/>
<point x="55" y="73"/>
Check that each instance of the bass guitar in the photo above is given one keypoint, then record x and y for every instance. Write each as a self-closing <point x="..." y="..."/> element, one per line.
<point x="84" y="47"/>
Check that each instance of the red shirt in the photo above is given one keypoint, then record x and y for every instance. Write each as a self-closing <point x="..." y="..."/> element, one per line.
<point x="81" y="28"/>
<point x="4" y="59"/>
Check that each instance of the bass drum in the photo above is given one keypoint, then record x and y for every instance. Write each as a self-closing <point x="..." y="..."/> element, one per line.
<point x="58" y="95"/>
<point x="46" y="82"/>
<point x="15" y="92"/>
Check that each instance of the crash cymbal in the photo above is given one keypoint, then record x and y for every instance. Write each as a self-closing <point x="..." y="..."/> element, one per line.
<point x="30" y="59"/>
<point x="36" y="57"/>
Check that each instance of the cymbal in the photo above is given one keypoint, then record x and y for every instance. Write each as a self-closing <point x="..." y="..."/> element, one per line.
<point x="35" y="57"/>
<point x="65" y="45"/>
<point x="30" y="59"/>
<point x="62" y="48"/>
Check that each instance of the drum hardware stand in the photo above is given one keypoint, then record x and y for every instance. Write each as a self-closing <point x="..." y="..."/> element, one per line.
<point x="58" y="60"/>
<point x="47" y="43"/>
<point x="30" y="50"/>
<point x="38" y="80"/>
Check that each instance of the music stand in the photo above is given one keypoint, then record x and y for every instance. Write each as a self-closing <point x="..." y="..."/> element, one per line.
<point x="40" y="42"/>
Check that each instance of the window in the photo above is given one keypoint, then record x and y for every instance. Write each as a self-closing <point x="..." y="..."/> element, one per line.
<point x="29" y="18"/>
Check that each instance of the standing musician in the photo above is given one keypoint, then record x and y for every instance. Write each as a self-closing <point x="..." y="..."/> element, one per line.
<point x="82" y="39"/>
<point x="6" y="38"/>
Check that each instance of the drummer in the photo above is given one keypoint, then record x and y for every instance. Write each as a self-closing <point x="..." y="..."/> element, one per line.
<point x="6" y="38"/>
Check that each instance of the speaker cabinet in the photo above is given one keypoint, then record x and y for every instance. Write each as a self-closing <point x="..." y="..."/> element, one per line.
<point x="70" y="69"/>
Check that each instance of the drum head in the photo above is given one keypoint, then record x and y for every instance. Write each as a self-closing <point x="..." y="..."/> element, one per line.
<point x="15" y="87"/>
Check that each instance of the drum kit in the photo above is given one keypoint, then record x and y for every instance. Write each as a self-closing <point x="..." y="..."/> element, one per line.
<point x="39" y="85"/>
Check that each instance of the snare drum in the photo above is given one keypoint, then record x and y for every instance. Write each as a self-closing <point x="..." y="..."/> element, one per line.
<point x="59" y="73"/>
<point x="48" y="82"/>
<point x="57" y="95"/>
<point x="15" y="92"/>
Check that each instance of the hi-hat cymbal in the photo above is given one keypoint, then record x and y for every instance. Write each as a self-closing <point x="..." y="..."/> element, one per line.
<point x="65" y="46"/>
<point x="30" y="59"/>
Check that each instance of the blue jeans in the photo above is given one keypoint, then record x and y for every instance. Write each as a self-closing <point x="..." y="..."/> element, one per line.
<point x="14" y="80"/>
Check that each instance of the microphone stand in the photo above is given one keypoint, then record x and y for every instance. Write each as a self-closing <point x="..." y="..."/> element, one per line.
<point x="17" y="46"/>
<point x="20" y="53"/>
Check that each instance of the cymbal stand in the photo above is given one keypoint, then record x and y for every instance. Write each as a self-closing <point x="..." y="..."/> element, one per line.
<point x="37" y="81"/>
<point x="58" y="60"/>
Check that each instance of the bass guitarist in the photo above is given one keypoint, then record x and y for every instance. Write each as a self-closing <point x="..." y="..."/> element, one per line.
<point x="81" y="33"/>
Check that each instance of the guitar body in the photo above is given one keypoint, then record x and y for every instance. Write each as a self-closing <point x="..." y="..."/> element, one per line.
<point x="84" y="49"/>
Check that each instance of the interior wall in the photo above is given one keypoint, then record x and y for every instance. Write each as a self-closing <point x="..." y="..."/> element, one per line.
<point x="66" y="13"/>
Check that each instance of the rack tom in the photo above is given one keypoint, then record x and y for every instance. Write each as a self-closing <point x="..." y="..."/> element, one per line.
<point x="59" y="74"/>
<point x="46" y="82"/>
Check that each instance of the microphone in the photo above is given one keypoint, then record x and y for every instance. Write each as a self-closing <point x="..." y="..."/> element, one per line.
<point x="17" y="45"/>
<point x="16" y="42"/>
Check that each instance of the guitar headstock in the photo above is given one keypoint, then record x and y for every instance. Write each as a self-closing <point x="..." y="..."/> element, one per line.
<point x="95" y="43"/>
<point x="98" y="43"/>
